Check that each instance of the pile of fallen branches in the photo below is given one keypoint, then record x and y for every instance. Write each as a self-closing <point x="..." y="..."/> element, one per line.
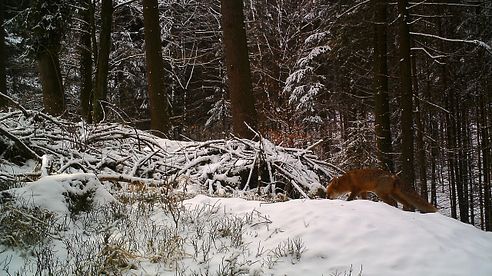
<point x="122" y="154"/>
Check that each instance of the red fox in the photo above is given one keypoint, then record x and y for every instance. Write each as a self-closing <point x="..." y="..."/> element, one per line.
<point x="388" y="187"/>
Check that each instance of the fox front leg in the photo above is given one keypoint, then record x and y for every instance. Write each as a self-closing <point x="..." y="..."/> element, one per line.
<point x="353" y="195"/>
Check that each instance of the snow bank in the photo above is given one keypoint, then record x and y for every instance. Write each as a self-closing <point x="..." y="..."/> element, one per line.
<point x="378" y="238"/>
<point x="55" y="193"/>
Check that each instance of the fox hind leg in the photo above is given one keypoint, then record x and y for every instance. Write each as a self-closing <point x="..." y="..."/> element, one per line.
<point x="364" y="195"/>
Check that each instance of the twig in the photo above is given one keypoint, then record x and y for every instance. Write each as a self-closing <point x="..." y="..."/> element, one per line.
<point x="20" y="145"/>
<point x="16" y="104"/>
<point x="131" y="179"/>
<point x="308" y="149"/>
<point x="246" y="186"/>
<point x="292" y="177"/>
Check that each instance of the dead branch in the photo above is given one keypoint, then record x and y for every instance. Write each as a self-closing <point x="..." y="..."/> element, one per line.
<point x="23" y="148"/>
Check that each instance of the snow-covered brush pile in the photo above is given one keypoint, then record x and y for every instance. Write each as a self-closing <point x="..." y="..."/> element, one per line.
<point x="122" y="154"/>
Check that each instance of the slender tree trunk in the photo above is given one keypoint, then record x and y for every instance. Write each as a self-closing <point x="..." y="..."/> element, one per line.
<point x="422" y="160"/>
<point x="420" y="151"/>
<point x="466" y="164"/>
<point x="238" y="68"/>
<point x="381" y="98"/>
<point x="451" y="148"/>
<point x="479" y="163"/>
<point x="406" y="101"/>
<point x="432" y="128"/>
<point x="51" y="81"/>
<point x="95" y="47"/>
<point x="461" y="161"/>
<point x="472" y="188"/>
<point x="85" y="49"/>
<point x="3" y="73"/>
<point x="486" y="162"/>
<point x="451" y="145"/>
<point x="156" y="85"/>
<point x="101" y="89"/>
<point x="434" y="152"/>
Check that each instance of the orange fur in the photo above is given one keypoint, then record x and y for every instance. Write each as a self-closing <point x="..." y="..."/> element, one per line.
<point x="388" y="187"/>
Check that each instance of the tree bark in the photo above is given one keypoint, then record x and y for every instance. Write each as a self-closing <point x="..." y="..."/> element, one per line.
<point x="434" y="148"/>
<point x="434" y="153"/>
<point x="461" y="164"/>
<point x="156" y="85"/>
<point x="3" y="73"/>
<point x="381" y="98"/>
<point x="451" y="145"/>
<point x="238" y="68"/>
<point x="420" y="151"/>
<point x="479" y="138"/>
<point x="85" y="49"/>
<point x="101" y="89"/>
<point x="51" y="80"/>
<point x="486" y="162"/>
<point x="406" y="101"/>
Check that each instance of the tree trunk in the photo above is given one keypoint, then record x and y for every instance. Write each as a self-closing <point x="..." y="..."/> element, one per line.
<point x="479" y="163"/>
<point x="433" y="129"/>
<point x="434" y="152"/>
<point x="406" y="101"/>
<point x="156" y="85"/>
<point x="486" y="162"/>
<point x="381" y="101"/>
<point x="51" y="81"/>
<point x="3" y="73"/>
<point x="85" y="49"/>
<point x="451" y="147"/>
<point x="238" y="68"/>
<point x="101" y="89"/>
<point x="420" y="151"/>
<point x="461" y="163"/>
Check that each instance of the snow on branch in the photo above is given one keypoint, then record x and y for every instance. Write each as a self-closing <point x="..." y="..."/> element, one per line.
<point x="436" y="57"/>
<point x="479" y="43"/>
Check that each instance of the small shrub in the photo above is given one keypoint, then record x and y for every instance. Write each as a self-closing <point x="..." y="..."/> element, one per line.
<point x="23" y="227"/>
<point x="115" y="258"/>
<point x="232" y="266"/>
<point x="79" y="202"/>
<point x="347" y="273"/>
<point x="292" y="248"/>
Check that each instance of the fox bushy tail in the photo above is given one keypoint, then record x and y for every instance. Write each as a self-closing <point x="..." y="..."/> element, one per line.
<point x="414" y="199"/>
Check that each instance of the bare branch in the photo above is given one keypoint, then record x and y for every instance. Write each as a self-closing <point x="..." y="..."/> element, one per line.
<point x="479" y="43"/>
<point x="20" y="145"/>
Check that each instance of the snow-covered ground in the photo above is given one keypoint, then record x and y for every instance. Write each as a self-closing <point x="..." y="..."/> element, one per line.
<point x="233" y="236"/>
<point x="378" y="238"/>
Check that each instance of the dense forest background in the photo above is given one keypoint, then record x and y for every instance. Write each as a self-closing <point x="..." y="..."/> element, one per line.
<point x="406" y="86"/>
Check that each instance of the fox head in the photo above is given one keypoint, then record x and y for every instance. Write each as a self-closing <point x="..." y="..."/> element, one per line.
<point x="333" y="189"/>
